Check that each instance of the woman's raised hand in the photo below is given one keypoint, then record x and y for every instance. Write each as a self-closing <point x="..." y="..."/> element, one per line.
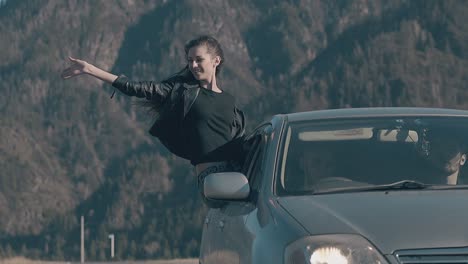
<point x="77" y="67"/>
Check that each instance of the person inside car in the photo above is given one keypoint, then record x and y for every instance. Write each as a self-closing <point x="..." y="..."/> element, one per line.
<point x="445" y="155"/>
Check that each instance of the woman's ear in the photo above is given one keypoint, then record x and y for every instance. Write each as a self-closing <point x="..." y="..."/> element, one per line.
<point x="217" y="61"/>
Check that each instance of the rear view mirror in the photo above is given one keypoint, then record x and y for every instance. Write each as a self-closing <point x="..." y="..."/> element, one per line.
<point x="397" y="135"/>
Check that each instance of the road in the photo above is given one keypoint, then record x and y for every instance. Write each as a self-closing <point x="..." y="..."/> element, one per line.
<point x="20" y="260"/>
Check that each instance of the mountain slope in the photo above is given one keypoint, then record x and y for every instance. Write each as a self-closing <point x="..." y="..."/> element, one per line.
<point x="67" y="149"/>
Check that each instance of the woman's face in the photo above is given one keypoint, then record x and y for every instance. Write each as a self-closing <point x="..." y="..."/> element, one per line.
<point x="201" y="63"/>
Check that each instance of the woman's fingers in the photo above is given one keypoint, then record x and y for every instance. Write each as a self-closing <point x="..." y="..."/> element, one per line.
<point x="71" y="71"/>
<point x="75" y="69"/>
<point x="74" y="60"/>
<point x="67" y="73"/>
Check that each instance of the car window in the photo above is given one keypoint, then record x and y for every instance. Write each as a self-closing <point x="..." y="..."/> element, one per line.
<point x="255" y="146"/>
<point x="371" y="152"/>
<point x="249" y="147"/>
<point x="255" y="169"/>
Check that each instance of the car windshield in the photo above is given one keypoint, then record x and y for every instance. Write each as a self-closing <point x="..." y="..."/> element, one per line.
<point x="360" y="154"/>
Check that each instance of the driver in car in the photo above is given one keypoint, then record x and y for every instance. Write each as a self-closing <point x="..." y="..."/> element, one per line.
<point x="446" y="155"/>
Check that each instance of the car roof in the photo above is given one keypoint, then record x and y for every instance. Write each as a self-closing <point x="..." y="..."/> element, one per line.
<point x="374" y="112"/>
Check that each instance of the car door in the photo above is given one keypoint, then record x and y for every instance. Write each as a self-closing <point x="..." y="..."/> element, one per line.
<point x="236" y="239"/>
<point x="210" y="244"/>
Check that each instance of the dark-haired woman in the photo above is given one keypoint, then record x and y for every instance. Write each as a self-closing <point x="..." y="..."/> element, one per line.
<point x="196" y="119"/>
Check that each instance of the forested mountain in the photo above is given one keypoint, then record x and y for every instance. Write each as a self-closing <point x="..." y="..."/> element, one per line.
<point x="67" y="149"/>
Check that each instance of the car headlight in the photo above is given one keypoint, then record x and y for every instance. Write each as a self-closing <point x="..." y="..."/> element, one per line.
<point x="332" y="249"/>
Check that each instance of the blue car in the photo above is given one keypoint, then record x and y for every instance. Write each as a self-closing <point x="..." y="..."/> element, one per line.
<point x="345" y="186"/>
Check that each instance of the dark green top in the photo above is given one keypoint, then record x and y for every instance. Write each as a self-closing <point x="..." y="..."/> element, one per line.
<point x="208" y="126"/>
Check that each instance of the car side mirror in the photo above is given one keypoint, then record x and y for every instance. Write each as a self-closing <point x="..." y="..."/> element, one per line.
<point x="226" y="186"/>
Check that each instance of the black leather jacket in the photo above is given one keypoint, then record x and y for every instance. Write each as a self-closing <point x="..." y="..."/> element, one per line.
<point x="173" y="99"/>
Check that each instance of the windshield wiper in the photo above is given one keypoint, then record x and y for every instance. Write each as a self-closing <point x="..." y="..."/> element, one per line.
<point x="404" y="185"/>
<point x="400" y="185"/>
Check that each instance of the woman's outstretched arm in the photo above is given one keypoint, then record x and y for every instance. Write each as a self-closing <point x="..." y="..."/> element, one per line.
<point x="144" y="89"/>
<point x="80" y="67"/>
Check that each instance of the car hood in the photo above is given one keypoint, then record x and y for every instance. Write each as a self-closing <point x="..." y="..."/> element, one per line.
<point x="390" y="220"/>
